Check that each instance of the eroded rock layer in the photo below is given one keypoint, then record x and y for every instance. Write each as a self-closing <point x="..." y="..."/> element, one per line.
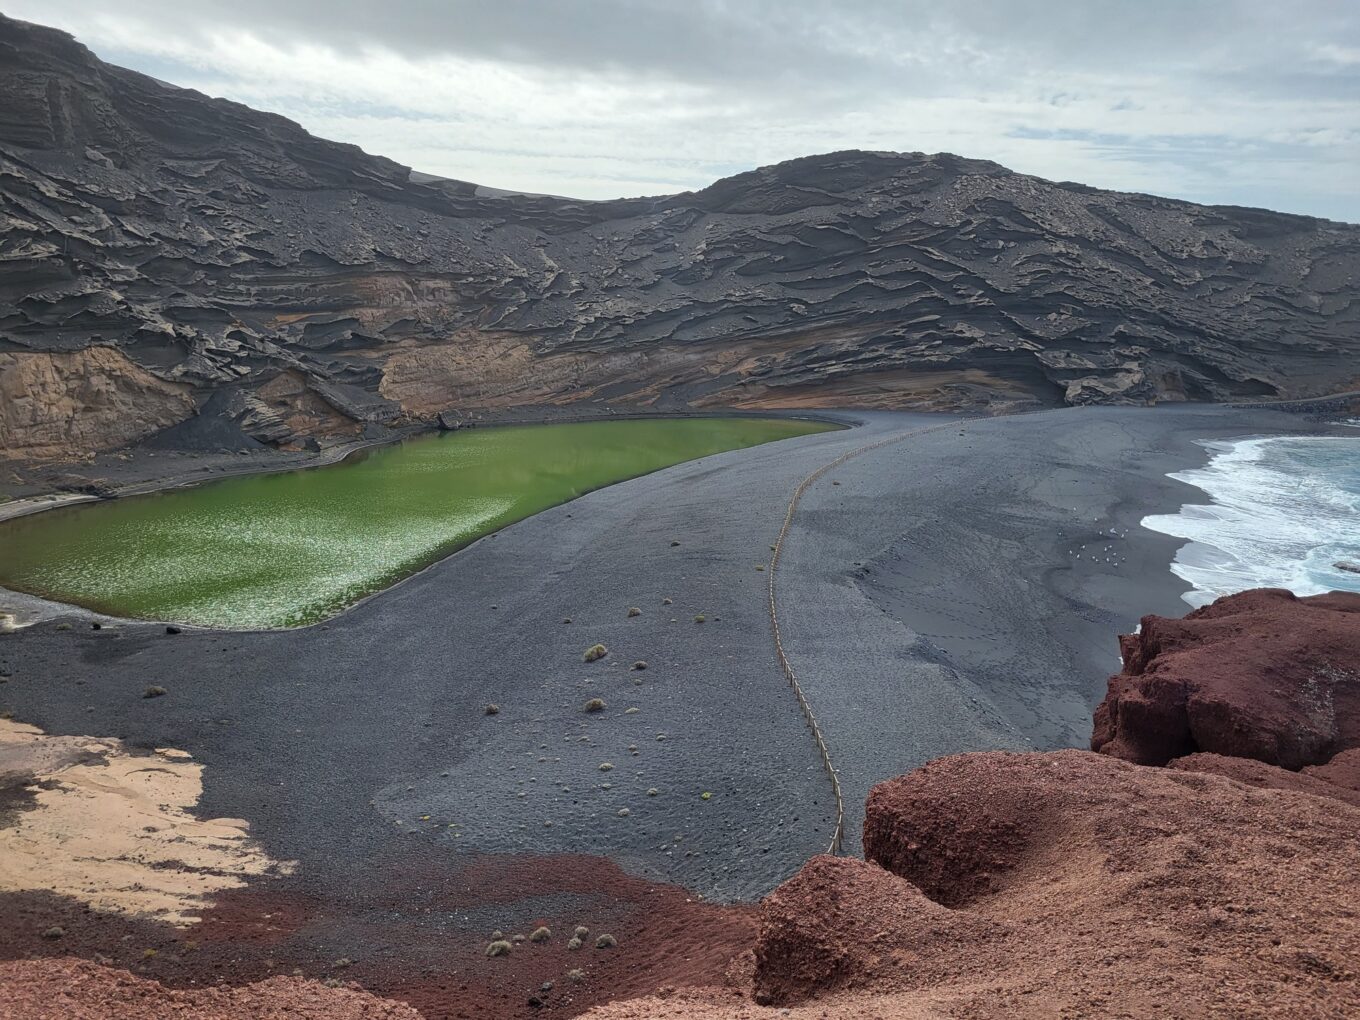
<point x="1262" y="674"/>
<point x="218" y="247"/>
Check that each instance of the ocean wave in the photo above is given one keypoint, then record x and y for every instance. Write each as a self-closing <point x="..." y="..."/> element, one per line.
<point x="1284" y="511"/>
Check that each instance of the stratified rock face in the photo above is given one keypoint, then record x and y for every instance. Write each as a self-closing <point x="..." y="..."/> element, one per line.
<point x="1261" y="674"/>
<point x="53" y="404"/>
<point x="219" y="246"/>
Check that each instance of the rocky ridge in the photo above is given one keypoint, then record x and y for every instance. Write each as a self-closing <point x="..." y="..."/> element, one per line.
<point x="160" y="247"/>
<point x="1072" y="883"/>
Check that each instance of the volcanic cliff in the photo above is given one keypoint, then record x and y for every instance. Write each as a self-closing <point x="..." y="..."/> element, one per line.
<point x="164" y="253"/>
<point x="1072" y="883"/>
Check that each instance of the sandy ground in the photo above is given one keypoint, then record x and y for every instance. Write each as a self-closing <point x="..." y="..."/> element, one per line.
<point x="932" y="604"/>
<point x="85" y="818"/>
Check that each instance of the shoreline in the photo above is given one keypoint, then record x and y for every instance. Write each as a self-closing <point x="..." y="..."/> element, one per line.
<point x="18" y="506"/>
<point x="926" y="601"/>
<point x="27" y="607"/>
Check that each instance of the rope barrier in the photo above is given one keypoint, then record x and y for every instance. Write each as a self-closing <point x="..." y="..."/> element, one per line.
<point x="823" y="750"/>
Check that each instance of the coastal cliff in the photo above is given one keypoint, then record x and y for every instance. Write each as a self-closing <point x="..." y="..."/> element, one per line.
<point x="178" y="248"/>
<point x="1077" y="883"/>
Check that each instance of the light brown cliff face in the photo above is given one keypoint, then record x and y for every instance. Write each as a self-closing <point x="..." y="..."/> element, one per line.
<point x="57" y="406"/>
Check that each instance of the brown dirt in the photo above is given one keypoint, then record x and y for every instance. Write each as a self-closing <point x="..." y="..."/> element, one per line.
<point x="1312" y="780"/>
<point x="1089" y="888"/>
<point x="66" y="989"/>
<point x="426" y="956"/>
<point x="1261" y="674"/>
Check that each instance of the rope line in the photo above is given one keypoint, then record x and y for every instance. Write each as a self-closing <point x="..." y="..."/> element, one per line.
<point x="834" y="847"/>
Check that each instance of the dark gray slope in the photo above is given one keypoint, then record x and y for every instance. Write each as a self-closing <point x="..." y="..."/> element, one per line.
<point x="218" y="245"/>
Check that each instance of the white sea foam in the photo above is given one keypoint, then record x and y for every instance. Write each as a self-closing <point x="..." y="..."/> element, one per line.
<point x="1283" y="512"/>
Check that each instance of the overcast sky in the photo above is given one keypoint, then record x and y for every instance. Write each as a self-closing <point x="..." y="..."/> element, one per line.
<point x="1234" y="101"/>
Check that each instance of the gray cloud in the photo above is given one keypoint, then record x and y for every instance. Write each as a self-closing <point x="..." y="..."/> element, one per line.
<point x="1247" y="102"/>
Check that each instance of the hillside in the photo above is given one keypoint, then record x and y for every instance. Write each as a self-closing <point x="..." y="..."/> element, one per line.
<point x="165" y="253"/>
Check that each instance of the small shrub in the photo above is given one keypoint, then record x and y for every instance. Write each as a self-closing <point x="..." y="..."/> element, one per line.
<point x="760" y="566"/>
<point x="700" y="618"/>
<point x="665" y="602"/>
<point x="566" y="619"/>
<point x="674" y="543"/>
<point x="498" y="948"/>
<point x="634" y="611"/>
<point x="154" y="692"/>
<point x="624" y="812"/>
<point x="581" y="931"/>
<point x="705" y="796"/>
<point x="606" y="942"/>
<point x="653" y="792"/>
<point x="540" y="934"/>
<point x="497" y="934"/>
<point x="573" y="943"/>
<point x="54" y="932"/>
<point x="576" y="975"/>
<point x="630" y="711"/>
<point x="63" y="626"/>
<point x="606" y="766"/>
<point x="493" y="709"/>
<point x="595" y="705"/>
<point x="640" y="664"/>
<point x="595" y="652"/>
<point x="517" y="939"/>
<point x="150" y="954"/>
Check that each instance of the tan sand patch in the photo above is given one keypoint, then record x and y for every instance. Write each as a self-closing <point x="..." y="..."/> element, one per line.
<point x="115" y="829"/>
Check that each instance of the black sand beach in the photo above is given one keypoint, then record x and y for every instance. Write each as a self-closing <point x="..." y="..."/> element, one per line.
<point x="931" y="602"/>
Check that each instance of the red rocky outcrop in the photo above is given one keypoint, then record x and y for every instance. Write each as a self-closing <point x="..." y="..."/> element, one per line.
<point x="1262" y="674"/>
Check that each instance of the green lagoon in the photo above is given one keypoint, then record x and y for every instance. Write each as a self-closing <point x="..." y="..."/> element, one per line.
<point x="283" y="550"/>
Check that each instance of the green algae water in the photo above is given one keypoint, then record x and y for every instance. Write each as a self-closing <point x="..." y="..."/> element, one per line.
<point x="289" y="549"/>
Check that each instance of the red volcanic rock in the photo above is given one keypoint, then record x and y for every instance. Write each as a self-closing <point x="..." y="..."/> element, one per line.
<point x="1084" y="887"/>
<point x="841" y="922"/>
<point x="1262" y="674"/>
<point x="953" y="850"/>
<point x="1312" y="780"/>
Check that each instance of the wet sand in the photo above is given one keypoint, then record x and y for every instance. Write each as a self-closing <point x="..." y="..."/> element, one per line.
<point x="931" y="603"/>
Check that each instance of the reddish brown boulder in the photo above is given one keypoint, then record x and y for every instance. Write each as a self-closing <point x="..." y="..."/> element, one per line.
<point x="1312" y="780"/>
<point x="1262" y="674"/>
